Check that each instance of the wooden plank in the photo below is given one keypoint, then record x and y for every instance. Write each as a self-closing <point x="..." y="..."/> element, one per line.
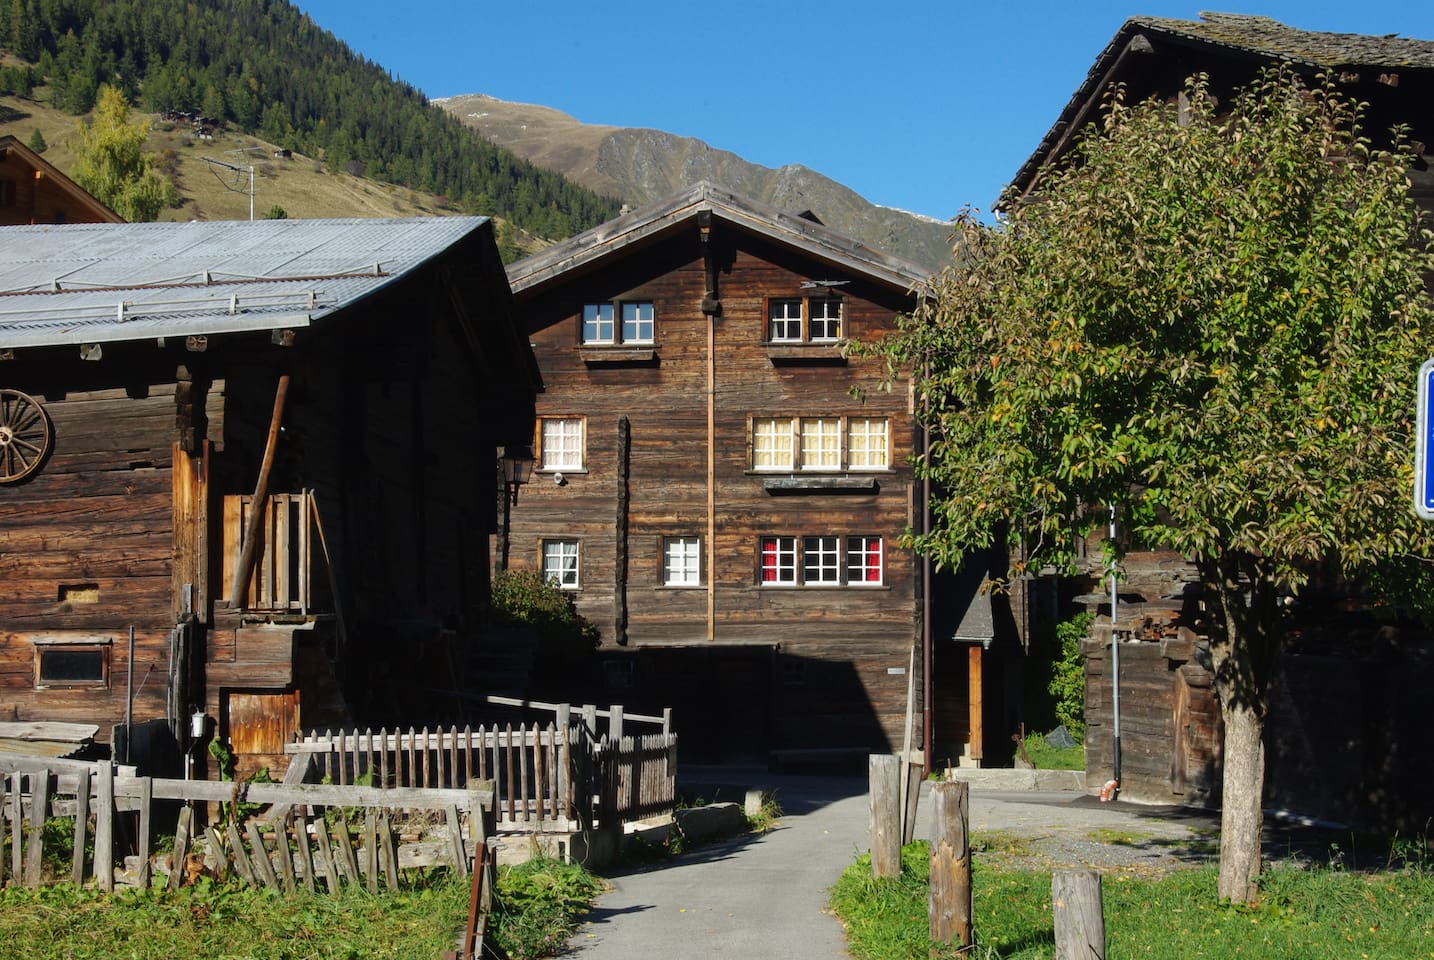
<point x="326" y="854"/>
<point x="39" y="811"/>
<point x="105" y="830"/>
<point x="347" y="860"/>
<point x="370" y="858"/>
<point x="455" y="835"/>
<point x="3" y="815"/>
<point x="216" y="852"/>
<point x="313" y="794"/>
<point x="17" y="827"/>
<point x="242" y="863"/>
<point x="387" y="851"/>
<point x="284" y="855"/>
<point x="82" y="826"/>
<point x="304" y="858"/>
<point x="974" y="703"/>
<point x="181" y="846"/>
<point x="263" y="866"/>
<point x="146" y="829"/>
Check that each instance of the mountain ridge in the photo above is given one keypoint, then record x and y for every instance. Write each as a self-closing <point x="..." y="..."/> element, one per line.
<point x="640" y="165"/>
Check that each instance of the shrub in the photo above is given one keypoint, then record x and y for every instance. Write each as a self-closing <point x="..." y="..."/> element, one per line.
<point x="1067" y="684"/>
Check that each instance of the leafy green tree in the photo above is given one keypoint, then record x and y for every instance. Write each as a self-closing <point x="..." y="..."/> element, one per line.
<point x="37" y="141"/>
<point x="1210" y="318"/>
<point x="112" y="165"/>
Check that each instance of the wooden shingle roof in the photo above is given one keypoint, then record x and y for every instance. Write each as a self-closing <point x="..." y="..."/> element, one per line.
<point x="1229" y="36"/>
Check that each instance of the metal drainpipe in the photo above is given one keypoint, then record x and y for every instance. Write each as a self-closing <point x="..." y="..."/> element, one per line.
<point x="1112" y="788"/>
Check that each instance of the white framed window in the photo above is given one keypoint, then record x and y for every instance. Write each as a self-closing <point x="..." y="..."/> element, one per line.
<point x="866" y="443"/>
<point x="598" y="323"/>
<point x="637" y="325"/>
<point x="772" y="443"/>
<point x="819" y="561"/>
<point x="560" y="563"/>
<point x="601" y="326"/>
<point x="825" y="322"/>
<point x="784" y="321"/>
<point x="821" y="443"/>
<point x="809" y="320"/>
<point x="560" y="443"/>
<point x="682" y="561"/>
<point x="864" y="561"/>
<point x="779" y="560"/>
<point x="830" y="443"/>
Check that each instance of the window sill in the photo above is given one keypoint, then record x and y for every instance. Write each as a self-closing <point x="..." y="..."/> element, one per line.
<point x="619" y="356"/>
<point x="806" y="354"/>
<point x="821" y="484"/>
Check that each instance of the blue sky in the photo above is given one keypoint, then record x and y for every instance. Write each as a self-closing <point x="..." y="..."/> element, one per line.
<point x="917" y="104"/>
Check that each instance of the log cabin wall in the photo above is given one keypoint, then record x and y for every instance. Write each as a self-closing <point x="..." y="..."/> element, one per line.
<point x="825" y="666"/>
<point x="87" y="542"/>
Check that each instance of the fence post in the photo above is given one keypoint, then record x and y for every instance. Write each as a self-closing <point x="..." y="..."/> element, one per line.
<point x="82" y="825"/>
<point x="39" y="810"/>
<point x="885" y="776"/>
<point x="105" y="829"/>
<point x="146" y="828"/>
<point x="614" y="723"/>
<point x="666" y="720"/>
<point x="1079" y="917"/>
<point x="590" y="721"/>
<point x="17" y="826"/>
<point x="949" y="904"/>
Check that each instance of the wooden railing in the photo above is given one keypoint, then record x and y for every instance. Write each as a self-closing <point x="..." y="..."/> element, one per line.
<point x="283" y="566"/>
<point x="298" y="846"/>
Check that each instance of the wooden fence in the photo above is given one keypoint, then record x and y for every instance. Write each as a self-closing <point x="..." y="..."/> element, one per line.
<point x="553" y="779"/>
<point x="311" y="834"/>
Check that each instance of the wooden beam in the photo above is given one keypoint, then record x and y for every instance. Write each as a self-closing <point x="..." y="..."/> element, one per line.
<point x="261" y="492"/>
<point x="976" y="736"/>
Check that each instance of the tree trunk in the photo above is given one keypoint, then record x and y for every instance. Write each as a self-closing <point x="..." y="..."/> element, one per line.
<point x="1241" y="815"/>
<point x="1244" y="643"/>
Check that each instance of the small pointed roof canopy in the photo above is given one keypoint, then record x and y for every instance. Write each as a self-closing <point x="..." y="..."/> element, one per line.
<point x="657" y="220"/>
<point x="1186" y="47"/>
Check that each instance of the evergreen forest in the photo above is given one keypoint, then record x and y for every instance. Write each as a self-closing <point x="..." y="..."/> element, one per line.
<point x="266" y="68"/>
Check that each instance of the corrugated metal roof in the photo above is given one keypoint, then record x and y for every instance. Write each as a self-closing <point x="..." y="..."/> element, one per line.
<point x="97" y="283"/>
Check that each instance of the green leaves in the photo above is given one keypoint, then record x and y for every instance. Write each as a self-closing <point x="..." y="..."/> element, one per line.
<point x="1211" y="316"/>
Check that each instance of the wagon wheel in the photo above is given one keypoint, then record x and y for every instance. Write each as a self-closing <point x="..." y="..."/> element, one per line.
<point x="25" y="435"/>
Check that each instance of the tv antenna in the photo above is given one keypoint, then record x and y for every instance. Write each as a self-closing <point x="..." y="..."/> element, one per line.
<point x="237" y="185"/>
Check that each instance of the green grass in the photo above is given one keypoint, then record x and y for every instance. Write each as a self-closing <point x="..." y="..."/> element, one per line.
<point x="540" y="904"/>
<point x="1307" y="914"/>
<point x="1046" y="757"/>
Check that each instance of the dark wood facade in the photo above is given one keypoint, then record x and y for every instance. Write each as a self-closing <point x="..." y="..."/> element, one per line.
<point x="34" y="191"/>
<point x="378" y="497"/>
<point x="669" y="470"/>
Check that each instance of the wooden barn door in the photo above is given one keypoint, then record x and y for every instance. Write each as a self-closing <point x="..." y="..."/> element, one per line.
<point x="259" y="726"/>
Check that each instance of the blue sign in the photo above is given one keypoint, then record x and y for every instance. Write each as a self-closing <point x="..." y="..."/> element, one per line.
<point x="1424" y="445"/>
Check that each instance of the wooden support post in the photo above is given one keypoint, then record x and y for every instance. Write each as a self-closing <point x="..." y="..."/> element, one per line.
<point x="347" y="859"/>
<point x="1079" y="916"/>
<point x="304" y="858"/>
<point x="82" y="826"/>
<point x="181" y="846"/>
<point x="284" y="854"/>
<point x="105" y="830"/>
<point x="370" y="840"/>
<point x="973" y="702"/>
<point x="455" y="836"/>
<point x="2" y="830"/>
<point x="39" y="810"/>
<point x="327" y="864"/>
<point x="949" y="905"/>
<point x="885" y="789"/>
<point x="614" y="723"/>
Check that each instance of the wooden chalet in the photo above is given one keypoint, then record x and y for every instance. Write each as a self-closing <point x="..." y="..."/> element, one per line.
<point x="1344" y="740"/>
<point x="248" y="469"/>
<point x="34" y="191"/>
<point x="721" y="486"/>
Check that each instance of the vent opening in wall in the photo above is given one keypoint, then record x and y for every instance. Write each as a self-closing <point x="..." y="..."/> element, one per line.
<point x="79" y="593"/>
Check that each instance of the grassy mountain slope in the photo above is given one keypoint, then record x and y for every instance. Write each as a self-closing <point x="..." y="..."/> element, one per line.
<point x="642" y="165"/>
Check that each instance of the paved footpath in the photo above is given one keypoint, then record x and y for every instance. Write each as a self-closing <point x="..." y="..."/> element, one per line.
<point x="760" y="897"/>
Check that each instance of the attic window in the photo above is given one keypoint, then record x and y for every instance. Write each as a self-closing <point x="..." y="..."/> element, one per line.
<point x="601" y="326"/>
